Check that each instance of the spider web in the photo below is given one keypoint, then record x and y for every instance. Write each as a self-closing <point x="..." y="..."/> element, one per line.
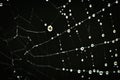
<point x="84" y="42"/>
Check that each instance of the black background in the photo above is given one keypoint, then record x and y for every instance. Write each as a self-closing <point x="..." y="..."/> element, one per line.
<point x="48" y="13"/>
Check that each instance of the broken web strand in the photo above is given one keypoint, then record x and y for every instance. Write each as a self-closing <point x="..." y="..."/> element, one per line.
<point x="85" y="47"/>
